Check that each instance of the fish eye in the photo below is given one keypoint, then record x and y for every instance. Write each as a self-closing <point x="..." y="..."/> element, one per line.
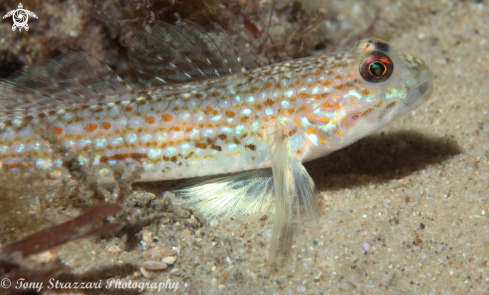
<point x="376" y="67"/>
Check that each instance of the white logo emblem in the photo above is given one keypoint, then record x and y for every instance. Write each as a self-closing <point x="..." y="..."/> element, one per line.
<point x="20" y="18"/>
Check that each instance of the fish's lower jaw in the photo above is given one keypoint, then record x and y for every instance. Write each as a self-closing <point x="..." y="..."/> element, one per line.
<point x="422" y="93"/>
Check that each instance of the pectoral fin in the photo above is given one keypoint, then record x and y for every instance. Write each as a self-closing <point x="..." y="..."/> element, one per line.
<point x="295" y="196"/>
<point x="247" y="192"/>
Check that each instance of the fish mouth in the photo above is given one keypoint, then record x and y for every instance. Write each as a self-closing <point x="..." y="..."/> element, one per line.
<point x="418" y="95"/>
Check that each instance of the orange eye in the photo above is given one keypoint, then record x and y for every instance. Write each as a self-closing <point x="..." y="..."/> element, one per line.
<point x="376" y="67"/>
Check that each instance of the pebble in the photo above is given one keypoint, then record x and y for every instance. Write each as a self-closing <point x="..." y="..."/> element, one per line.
<point x="366" y="246"/>
<point x="147" y="236"/>
<point x="147" y="274"/>
<point x="214" y="223"/>
<point x="47" y="257"/>
<point x="169" y="259"/>
<point x="114" y="249"/>
<point x="150" y="266"/>
<point x="154" y="265"/>
<point x="159" y="251"/>
<point x="181" y="211"/>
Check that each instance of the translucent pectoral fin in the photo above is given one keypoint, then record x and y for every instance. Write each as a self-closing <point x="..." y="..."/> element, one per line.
<point x="295" y="198"/>
<point x="240" y="193"/>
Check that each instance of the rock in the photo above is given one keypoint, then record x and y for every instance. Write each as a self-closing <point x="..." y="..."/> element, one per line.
<point x="159" y="252"/>
<point x="169" y="259"/>
<point x="114" y="249"/>
<point x="154" y="265"/>
<point x="47" y="257"/>
<point x="181" y="211"/>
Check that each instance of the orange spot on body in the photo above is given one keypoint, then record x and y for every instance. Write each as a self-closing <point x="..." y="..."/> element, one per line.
<point x="150" y="119"/>
<point x="339" y="133"/>
<point x="324" y="120"/>
<point x="106" y="125"/>
<point x="328" y="105"/>
<point x="129" y="109"/>
<point x="269" y="102"/>
<point x="209" y="108"/>
<point x="166" y="117"/>
<point x="311" y="130"/>
<point x="91" y="127"/>
<point x="58" y="130"/>
<point x="298" y="122"/>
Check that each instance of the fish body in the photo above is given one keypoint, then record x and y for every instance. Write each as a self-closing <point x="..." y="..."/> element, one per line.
<point x="201" y="113"/>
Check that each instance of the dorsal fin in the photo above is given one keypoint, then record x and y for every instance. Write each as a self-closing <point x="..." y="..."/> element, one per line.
<point x="65" y="80"/>
<point x="182" y="53"/>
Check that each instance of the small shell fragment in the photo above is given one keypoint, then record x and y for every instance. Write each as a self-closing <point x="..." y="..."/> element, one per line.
<point x="169" y="259"/>
<point x="154" y="265"/>
<point x="158" y="252"/>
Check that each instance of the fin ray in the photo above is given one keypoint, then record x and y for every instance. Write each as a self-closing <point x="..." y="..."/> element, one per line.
<point x="240" y="193"/>
<point x="183" y="53"/>
<point x="295" y="195"/>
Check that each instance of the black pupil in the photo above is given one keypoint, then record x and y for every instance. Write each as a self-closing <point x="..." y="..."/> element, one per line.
<point x="377" y="69"/>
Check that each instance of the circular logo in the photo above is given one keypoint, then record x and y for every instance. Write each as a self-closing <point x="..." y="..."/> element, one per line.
<point x="20" y="17"/>
<point x="5" y="283"/>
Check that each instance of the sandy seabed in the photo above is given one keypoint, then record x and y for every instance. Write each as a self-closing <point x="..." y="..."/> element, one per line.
<point x="403" y="211"/>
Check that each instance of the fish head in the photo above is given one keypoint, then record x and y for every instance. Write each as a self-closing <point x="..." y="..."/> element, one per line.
<point x="399" y="80"/>
<point x="372" y="86"/>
